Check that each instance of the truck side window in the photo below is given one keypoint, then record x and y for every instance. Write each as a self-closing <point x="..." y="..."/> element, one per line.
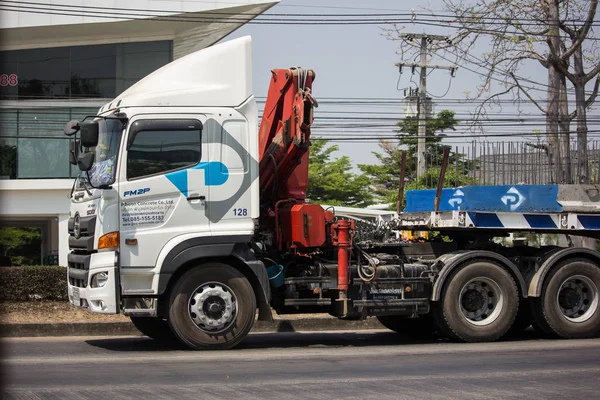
<point x="154" y="152"/>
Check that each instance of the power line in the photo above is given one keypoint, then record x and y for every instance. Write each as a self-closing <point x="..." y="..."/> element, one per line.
<point x="505" y="72"/>
<point x="469" y="136"/>
<point x="289" y="18"/>
<point x="391" y="14"/>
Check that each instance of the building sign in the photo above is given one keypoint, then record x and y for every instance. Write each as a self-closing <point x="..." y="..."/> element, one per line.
<point x="9" y="80"/>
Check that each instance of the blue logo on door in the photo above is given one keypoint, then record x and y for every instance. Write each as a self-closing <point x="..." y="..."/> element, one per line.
<point x="215" y="174"/>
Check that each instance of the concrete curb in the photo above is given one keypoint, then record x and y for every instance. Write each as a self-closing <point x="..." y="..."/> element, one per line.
<point x="127" y="328"/>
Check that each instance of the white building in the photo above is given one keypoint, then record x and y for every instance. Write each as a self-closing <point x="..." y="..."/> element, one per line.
<point x="63" y="61"/>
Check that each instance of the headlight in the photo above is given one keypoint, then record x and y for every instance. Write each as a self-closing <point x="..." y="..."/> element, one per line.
<point x="99" y="280"/>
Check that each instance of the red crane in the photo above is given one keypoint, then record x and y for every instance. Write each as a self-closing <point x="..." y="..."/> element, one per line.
<point x="284" y="140"/>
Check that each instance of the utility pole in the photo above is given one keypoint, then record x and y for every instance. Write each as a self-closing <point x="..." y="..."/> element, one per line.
<point x="422" y="103"/>
<point x="422" y="110"/>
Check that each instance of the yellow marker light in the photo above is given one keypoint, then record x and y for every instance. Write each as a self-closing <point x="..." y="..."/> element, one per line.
<point x="109" y="240"/>
<point x="408" y="288"/>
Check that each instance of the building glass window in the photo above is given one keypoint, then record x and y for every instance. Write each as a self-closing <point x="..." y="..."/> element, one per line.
<point x="43" y="73"/>
<point x="42" y="158"/>
<point x="136" y="60"/>
<point x="32" y="142"/>
<point x="93" y="70"/>
<point x="96" y="71"/>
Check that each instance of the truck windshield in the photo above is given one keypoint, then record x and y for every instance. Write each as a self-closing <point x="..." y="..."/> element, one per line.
<point x="103" y="170"/>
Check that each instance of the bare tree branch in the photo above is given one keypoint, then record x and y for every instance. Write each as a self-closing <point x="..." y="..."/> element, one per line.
<point x="590" y="75"/>
<point x="544" y="110"/>
<point x="568" y="30"/>
<point x="492" y="98"/>
<point x="562" y="67"/>
<point x="594" y="93"/>
<point x="582" y="34"/>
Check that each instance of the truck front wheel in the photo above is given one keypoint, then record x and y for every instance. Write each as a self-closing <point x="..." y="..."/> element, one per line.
<point x="212" y="307"/>
<point x="479" y="303"/>
<point x="569" y="305"/>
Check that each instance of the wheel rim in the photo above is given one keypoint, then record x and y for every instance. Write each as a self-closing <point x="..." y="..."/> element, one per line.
<point x="213" y="307"/>
<point x="577" y="298"/>
<point x="481" y="301"/>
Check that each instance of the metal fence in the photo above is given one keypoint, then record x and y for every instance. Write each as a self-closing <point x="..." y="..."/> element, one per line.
<point x="509" y="163"/>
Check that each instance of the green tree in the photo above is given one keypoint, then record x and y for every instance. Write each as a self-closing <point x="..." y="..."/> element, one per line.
<point x="20" y="245"/>
<point x="385" y="176"/>
<point x="434" y="149"/>
<point x="330" y="181"/>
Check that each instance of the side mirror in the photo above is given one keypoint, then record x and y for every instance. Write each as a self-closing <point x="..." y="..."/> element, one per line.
<point x="89" y="133"/>
<point x="86" y="160"/>
<point x="74" y="149"/>
<point x="72" y="127"/>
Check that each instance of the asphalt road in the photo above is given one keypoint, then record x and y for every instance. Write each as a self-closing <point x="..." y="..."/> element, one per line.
<point x="365" y="365"/>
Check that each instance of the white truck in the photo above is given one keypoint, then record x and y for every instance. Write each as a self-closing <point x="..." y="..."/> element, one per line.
<point x="190" y="217"/>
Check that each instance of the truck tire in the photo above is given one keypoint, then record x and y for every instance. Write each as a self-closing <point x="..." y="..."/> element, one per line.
<point x="417" y="328"/>
<point x="569" y="304"/>
<point x="212" y="307"/>
<point x="479" y="303"/>
<point x="153" y="327"/>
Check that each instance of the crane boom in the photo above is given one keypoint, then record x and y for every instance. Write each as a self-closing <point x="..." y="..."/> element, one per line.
<point x="284" y="135"/>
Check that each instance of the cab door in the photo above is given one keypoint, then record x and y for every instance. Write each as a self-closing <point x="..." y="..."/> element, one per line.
<point x="157" y="200"/>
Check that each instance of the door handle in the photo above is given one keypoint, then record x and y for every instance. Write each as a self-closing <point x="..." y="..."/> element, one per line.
<point x="196" y="198"/>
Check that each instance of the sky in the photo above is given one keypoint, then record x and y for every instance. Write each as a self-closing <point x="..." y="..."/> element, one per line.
<point x="358" y="61"/>
<point x="349" y="60"/>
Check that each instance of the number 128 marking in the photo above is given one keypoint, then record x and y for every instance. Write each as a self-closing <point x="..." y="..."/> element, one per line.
<point x="240" y="212"/>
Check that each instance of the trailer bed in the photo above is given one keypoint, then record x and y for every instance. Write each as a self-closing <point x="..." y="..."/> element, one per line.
<point x="541" y="208"/>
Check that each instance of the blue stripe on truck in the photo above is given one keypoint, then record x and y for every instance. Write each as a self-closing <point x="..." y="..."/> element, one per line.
<point x="485" y="220"/>
<point x="589" y="221"/>
<point x="540" y="221"/>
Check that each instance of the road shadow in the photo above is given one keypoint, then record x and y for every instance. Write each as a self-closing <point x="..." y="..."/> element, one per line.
<point x="292" y="340"/>
<point x="136" y="344"/>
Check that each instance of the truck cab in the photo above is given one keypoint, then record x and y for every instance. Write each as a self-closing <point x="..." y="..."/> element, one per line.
<point x="169" y="162"/>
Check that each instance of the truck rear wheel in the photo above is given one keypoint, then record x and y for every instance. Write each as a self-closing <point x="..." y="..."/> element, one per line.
<point x="569" y="305"/>
<point x="479" y="303"/>
<point x="212" y="307"/>
<point x="421" y="327"/>
<point x="153" y="327"/>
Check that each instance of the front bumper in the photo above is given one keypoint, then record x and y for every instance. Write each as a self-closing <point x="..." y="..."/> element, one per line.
<point x="104" y="300"/>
